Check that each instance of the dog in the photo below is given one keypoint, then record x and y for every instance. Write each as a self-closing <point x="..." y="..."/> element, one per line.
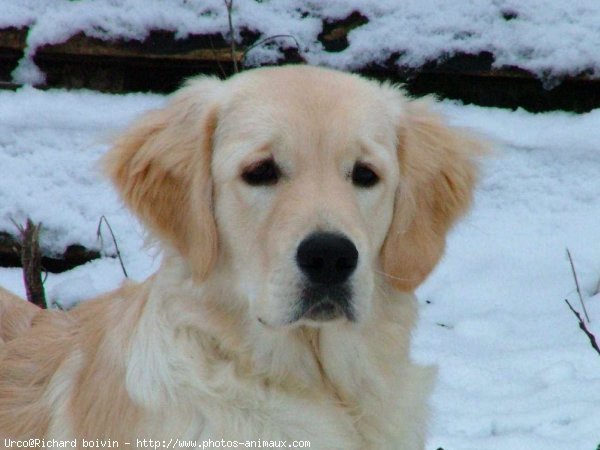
<point x="297" y="208"/>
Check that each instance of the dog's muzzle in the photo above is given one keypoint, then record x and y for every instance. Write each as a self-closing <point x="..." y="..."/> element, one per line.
<point x="327" y="260"/>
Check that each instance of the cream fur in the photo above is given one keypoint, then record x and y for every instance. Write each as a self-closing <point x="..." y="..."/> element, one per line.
<point x="204" y="348"/>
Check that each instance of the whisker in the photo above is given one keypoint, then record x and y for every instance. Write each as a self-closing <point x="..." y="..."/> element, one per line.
<point x="392" y="276"/>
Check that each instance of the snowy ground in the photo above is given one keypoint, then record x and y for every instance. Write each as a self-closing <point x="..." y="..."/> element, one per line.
<point x="550" y="38"/>
<point x="515" y="370"/>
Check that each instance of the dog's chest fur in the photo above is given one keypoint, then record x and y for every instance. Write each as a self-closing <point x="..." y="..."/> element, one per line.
<point x="157" y="364"/>
<point x="339" y="387"/>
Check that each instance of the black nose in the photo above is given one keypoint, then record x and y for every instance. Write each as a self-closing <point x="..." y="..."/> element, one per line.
<point x="327" y="258"/>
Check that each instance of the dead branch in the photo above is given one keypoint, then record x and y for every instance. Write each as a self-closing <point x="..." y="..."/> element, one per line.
<point x="31" y="259"/>
<point x="268" y="39"/>
<point x="577" y="286"/>
<point x="99" y="236"/>
<point x="585" y="329"/>
<point x="229" y="6"/>
<point x="214" y="51"/>
<point x="236" y="69"/>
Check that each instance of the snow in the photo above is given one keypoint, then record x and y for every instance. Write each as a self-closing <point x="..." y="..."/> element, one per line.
<point x="515" y="370"/>
<point x="550" y="38"/>
<point x="50" y="143"/>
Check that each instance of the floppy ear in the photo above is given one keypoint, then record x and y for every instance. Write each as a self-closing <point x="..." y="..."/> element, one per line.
<point x="438" y="172"/>
<point x="161" y="167"/>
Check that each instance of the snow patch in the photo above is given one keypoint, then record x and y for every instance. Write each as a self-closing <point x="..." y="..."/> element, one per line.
<point x="550" y="38"/>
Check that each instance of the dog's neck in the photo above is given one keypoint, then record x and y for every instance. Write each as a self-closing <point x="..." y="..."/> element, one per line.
<point x="214" y="322"/>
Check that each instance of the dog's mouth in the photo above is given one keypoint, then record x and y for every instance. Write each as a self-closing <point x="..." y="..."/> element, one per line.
<point x="322" y="303"/>
<point x="323" y="311"/>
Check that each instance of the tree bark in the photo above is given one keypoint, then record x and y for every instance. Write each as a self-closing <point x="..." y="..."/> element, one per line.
<point x="31" y="258"/>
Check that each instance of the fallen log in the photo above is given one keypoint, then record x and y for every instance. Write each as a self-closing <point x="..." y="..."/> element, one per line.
<point x="74" y="255"/>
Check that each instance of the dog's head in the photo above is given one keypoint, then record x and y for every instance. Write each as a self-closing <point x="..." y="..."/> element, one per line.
<point x="303" y="186"/>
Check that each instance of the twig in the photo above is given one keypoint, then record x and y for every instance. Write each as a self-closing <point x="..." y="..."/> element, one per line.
<point x="229" y="6"/>
<point x="236" y="69"/>
<point x="99" y="236"/>
<point x="31" y="259"/>
<point x="585" y="329"/>
<point x="216" y="56"/>
<point x="577" y="285"/>
<point x="267" y="39"/>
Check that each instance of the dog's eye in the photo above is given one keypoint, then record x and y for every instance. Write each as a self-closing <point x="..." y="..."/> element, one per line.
<point x="363" y="176"/>
<point x="262" y="173"/>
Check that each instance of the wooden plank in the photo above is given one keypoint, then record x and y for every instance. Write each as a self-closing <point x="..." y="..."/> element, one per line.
<point x="160" y="45"/>
<point x="12" y="46"/>
<point x="13" y="39"/>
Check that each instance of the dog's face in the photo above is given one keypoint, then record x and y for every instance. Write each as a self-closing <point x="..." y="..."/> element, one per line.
<point x="305" y="172"/>
<point x="303" y="186"/>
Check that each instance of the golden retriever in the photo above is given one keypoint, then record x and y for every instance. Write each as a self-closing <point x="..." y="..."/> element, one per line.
<point x="298" y="209"/>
